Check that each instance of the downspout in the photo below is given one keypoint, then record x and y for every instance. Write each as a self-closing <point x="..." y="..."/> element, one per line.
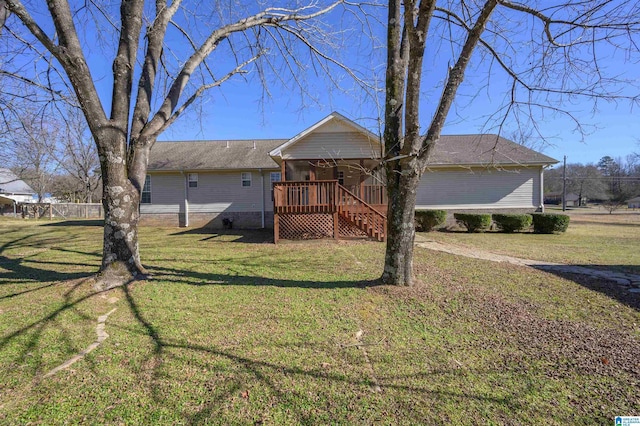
<point x="186" y="198"/>
<point x="542" y="189"/>
<point x="262" y="185"/>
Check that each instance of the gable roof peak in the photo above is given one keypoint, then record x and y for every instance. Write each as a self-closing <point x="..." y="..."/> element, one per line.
<point x="277" y="152"/>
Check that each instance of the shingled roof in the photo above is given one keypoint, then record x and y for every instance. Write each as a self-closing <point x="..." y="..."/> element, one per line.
<point x="11" y="184"/>
<point x="451" y="150"/>
<point x="213" y="155"/>
<point x="485" y="149"/>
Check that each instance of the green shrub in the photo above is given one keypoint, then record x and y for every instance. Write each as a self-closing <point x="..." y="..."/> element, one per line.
<point x="479" y="222"/>
<point x="512" y="222"/>
<point x="548" y="223"/>
<point x="428" y="220"/>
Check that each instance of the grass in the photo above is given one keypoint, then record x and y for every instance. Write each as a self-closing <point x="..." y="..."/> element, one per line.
<point x="594" y="238"/>
<point x="232" y="330"/>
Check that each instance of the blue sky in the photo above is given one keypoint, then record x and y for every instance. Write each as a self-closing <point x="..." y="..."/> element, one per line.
<point x="234" y="111"/>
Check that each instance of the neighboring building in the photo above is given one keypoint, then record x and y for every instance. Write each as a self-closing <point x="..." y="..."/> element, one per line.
<point x="326" y="181"/>
<point x="573" y="200"/>
<point x="634" y="203"/>
<point x="13" y="191"/>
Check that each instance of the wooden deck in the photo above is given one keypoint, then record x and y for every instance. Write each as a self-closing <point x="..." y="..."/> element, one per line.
<point x="317" y="209"/>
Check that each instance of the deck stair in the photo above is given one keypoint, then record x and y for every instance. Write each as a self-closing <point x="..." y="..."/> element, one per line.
<point x="359" y="213"/>
<point x="324" y="208"/>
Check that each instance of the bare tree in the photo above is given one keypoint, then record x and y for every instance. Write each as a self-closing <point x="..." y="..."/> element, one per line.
<point x="545" y="55"/>
<point x="585" y="180"/>
<point x="169" y="80"/>
<point x="30" y="150"/>
<point x="79" y="157"/>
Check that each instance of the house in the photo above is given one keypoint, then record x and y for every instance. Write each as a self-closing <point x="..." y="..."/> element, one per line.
<point x="634" y="203"/>
<point x="13" y="191"/>
<point x="572" y="199"/>
<point x="327" y="181"/>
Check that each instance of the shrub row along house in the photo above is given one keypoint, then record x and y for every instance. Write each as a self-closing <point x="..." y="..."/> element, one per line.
<point x="327" y="181"/>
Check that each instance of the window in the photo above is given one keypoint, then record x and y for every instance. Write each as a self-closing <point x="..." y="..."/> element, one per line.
<point x="275" y="177"/>
<point x="341" y="178"/>
<point x="193" y="180"/>
<point x="246" y="178"/>
<point x="146" y="191"/>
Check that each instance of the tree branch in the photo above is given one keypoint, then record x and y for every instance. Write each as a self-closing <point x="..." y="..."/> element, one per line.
<point x="270" y="16"/>
<point x="237" y="70"/>
<point x="125" y="61"/>
<point x="454" y="79"/>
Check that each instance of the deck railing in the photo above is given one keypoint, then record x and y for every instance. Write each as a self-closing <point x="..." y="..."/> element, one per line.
<point x="356" y="210"/>
<point x="317" y="196"/>
<point x="320" y="196"/>
<point x="371" y="194"/>
<point x="327" y="196"/>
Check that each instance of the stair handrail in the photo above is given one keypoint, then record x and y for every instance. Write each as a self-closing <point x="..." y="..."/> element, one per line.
<point x="381" y="218"/>
<point x="360" y="200"/>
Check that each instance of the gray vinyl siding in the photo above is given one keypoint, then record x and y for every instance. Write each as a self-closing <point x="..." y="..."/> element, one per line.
<point x="332" y="146"/>
<point x="216" y="193"/>
<point x="167" y="194"/>
<point x="479" y="189"/>
<point x="223" y="192"/>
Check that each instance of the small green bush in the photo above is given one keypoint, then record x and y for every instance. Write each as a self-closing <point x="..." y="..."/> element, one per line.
<point x="479" y="222"/>
<point x="512" y="222"/>
<point x="428" y="220"/>
<point x="548" y="223"/>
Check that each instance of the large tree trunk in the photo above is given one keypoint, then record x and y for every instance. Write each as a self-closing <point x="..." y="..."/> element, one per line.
<point x="121" y="200"/>
<point x="398" y="264"/>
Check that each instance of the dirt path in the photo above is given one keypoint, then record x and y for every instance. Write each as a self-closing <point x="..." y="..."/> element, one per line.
<point x="630" y="281"/>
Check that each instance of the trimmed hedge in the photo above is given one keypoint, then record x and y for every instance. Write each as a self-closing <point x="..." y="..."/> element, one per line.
<point x="479" y="222"/>
<point x="428" y="220"/>
<point x="548" y="223"/>
<point x="512" y="222"/>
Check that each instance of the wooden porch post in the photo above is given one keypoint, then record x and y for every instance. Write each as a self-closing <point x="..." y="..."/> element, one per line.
<point x="336" y="210"/>
<point x="362" y="183"/>
<point x="276" y="228"/>
<point x="313" y="189"/>
<point x="312" y="169"/>
<point x="283" y="171"/>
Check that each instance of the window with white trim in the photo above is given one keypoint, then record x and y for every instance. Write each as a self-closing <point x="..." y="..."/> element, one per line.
<point x="341" y="177"/>
<point x="193" y="180"/>
<point x="145" y="196"/>
<point x="245" y="177"/>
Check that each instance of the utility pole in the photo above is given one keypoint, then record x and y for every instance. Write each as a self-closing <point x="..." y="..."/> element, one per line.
<point x="564" y="185"/>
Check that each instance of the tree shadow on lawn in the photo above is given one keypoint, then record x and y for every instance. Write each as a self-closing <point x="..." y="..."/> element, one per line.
<point x="597" y="284"/>
<point x="20" y="270"/>
<point x="231" y="235"/>
<point x="38" y="326"/>
<point x="79" y="222"/>
<point x="270" y="374"/>
<point x="225" y="386"/>
<point x="195" y="278"/>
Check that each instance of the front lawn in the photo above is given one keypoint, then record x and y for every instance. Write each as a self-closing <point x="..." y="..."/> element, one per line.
<point x="594" y="239"/>
<point x="234" y="330"/>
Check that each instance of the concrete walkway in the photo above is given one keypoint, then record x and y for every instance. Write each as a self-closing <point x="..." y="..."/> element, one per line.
<point x="629" y="281"/>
